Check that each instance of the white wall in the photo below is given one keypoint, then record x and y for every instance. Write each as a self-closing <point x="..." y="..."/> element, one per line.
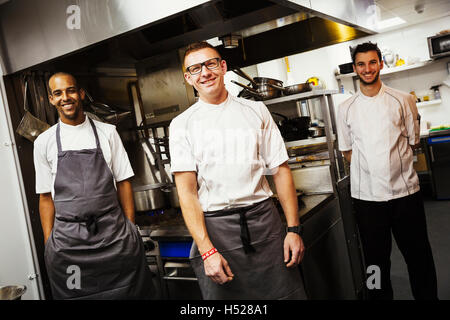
<point x="16" y="257"/>
<point x="409" y="42"/>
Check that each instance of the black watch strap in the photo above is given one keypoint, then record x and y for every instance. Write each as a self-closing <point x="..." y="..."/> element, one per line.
<point x="296" y="229"/>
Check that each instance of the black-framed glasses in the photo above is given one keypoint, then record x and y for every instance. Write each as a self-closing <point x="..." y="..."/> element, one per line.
<point x="210" y="64"/>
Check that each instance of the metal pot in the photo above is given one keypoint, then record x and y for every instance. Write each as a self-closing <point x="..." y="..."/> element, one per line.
<point x="171" y="191"/>
<point x="149" y="197"/>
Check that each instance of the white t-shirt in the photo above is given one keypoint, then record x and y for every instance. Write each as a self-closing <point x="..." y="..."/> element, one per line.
<point x="231" y="146"/>
<point x="379" y="131"/>
<point x="77" y="138"/>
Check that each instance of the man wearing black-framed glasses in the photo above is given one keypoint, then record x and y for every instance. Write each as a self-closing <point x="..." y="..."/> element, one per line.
<point x="210" y="64"/>
<point x="221" y="148"/>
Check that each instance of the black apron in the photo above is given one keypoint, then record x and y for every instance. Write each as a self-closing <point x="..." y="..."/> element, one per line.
<point x="251" y="240"/>
<point x="92" y="240"/>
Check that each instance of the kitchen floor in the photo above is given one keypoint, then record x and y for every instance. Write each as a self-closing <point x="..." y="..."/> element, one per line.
<point x="438" y="224"/>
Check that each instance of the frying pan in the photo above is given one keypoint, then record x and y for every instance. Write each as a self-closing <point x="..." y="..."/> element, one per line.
<point x="293" y="89"/>
<point x="274" y="83"/>
<point x="297" y="88"/>
<point x="263" y="91"/>
<point x="258" y="81"/>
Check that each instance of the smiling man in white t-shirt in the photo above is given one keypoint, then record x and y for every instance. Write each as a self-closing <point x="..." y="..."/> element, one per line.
<point x="86" y="205"/>
<point x="377" y="129"/>
<point x="221" y="148"/>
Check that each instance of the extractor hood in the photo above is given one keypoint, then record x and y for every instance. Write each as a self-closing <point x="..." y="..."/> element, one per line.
<point x="265" y="29"/>
<point x="34" y="32"/>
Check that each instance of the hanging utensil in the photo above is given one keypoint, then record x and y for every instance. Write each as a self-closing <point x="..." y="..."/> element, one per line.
<point x="30" y="127"/>
<point x="104" y="112"/>
<point x="99" y="109"/>
<point x="117" y="117"/>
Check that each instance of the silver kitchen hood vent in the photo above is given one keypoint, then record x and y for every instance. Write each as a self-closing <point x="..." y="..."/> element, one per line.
<point x="31" y="33"/>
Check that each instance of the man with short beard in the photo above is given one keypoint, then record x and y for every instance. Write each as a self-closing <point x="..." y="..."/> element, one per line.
<point x="92" y="247"/>
<point x="377" y="129"/>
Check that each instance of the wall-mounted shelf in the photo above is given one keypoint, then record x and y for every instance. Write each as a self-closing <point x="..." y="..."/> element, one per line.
<point x="301" y="96"/>
<point x="428" y="103"/>
<point x="387" y="70"/>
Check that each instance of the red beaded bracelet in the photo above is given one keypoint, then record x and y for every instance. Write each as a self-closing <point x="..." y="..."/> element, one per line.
<point x="209" y="253"/>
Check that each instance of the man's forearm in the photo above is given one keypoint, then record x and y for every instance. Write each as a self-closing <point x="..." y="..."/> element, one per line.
<point x="47" y="214"/>
<point x="194" y="219"/>
<point x="125" y="194"/>
<point x="195" y="222"/>
<point x="287" y="195"/>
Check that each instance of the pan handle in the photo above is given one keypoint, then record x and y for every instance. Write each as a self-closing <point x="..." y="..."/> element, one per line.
<point x="276" y="87"/>
<point x="241" y="73"/>
<point x="251" y="91"/>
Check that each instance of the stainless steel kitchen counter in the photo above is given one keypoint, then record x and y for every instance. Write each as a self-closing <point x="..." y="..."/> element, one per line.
<point x="308" y="206"/>
<point x="171" y="233"/>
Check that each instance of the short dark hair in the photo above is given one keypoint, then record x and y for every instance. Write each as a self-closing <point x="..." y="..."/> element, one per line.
<point x="198" y="46"/>
<point x="365" y="47"/>
<point x="61" y="73"/>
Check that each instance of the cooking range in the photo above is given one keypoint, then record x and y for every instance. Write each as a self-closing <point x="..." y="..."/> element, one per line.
<point x="167" y="246"/>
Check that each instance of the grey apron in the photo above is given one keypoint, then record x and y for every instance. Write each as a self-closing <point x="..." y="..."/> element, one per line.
<point x="94" y="251"/>
<point x="251" y="240"/>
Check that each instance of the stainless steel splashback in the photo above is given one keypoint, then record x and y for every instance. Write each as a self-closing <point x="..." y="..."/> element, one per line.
<point x="164" y="91"/>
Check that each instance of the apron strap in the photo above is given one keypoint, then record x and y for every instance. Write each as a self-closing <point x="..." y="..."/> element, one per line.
<point x="91" y="222"/>
<point x="245" y="234"/>
<point x="58" y="138"/>
<point x="97" y="141"/>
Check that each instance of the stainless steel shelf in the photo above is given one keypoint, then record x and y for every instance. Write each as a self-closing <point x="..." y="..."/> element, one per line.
<point x="386" y="71"/>
<point x="301" y="96"/>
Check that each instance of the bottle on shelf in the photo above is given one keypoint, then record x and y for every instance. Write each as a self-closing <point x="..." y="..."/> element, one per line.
<point x="437" y="93"/>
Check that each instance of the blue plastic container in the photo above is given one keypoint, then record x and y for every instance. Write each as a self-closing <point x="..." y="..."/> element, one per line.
<point x="175" y="249"/>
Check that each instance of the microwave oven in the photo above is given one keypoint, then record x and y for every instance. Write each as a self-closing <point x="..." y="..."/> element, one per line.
<point x="439" y="45"/>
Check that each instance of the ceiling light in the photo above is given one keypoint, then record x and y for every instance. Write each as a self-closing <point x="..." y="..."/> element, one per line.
<point x="230" y="41"/>
<point x="215" y="42"/>
<point x="384" y="24"/>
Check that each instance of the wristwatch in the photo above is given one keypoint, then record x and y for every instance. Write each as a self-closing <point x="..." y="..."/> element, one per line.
<point x="297" y="229"/>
